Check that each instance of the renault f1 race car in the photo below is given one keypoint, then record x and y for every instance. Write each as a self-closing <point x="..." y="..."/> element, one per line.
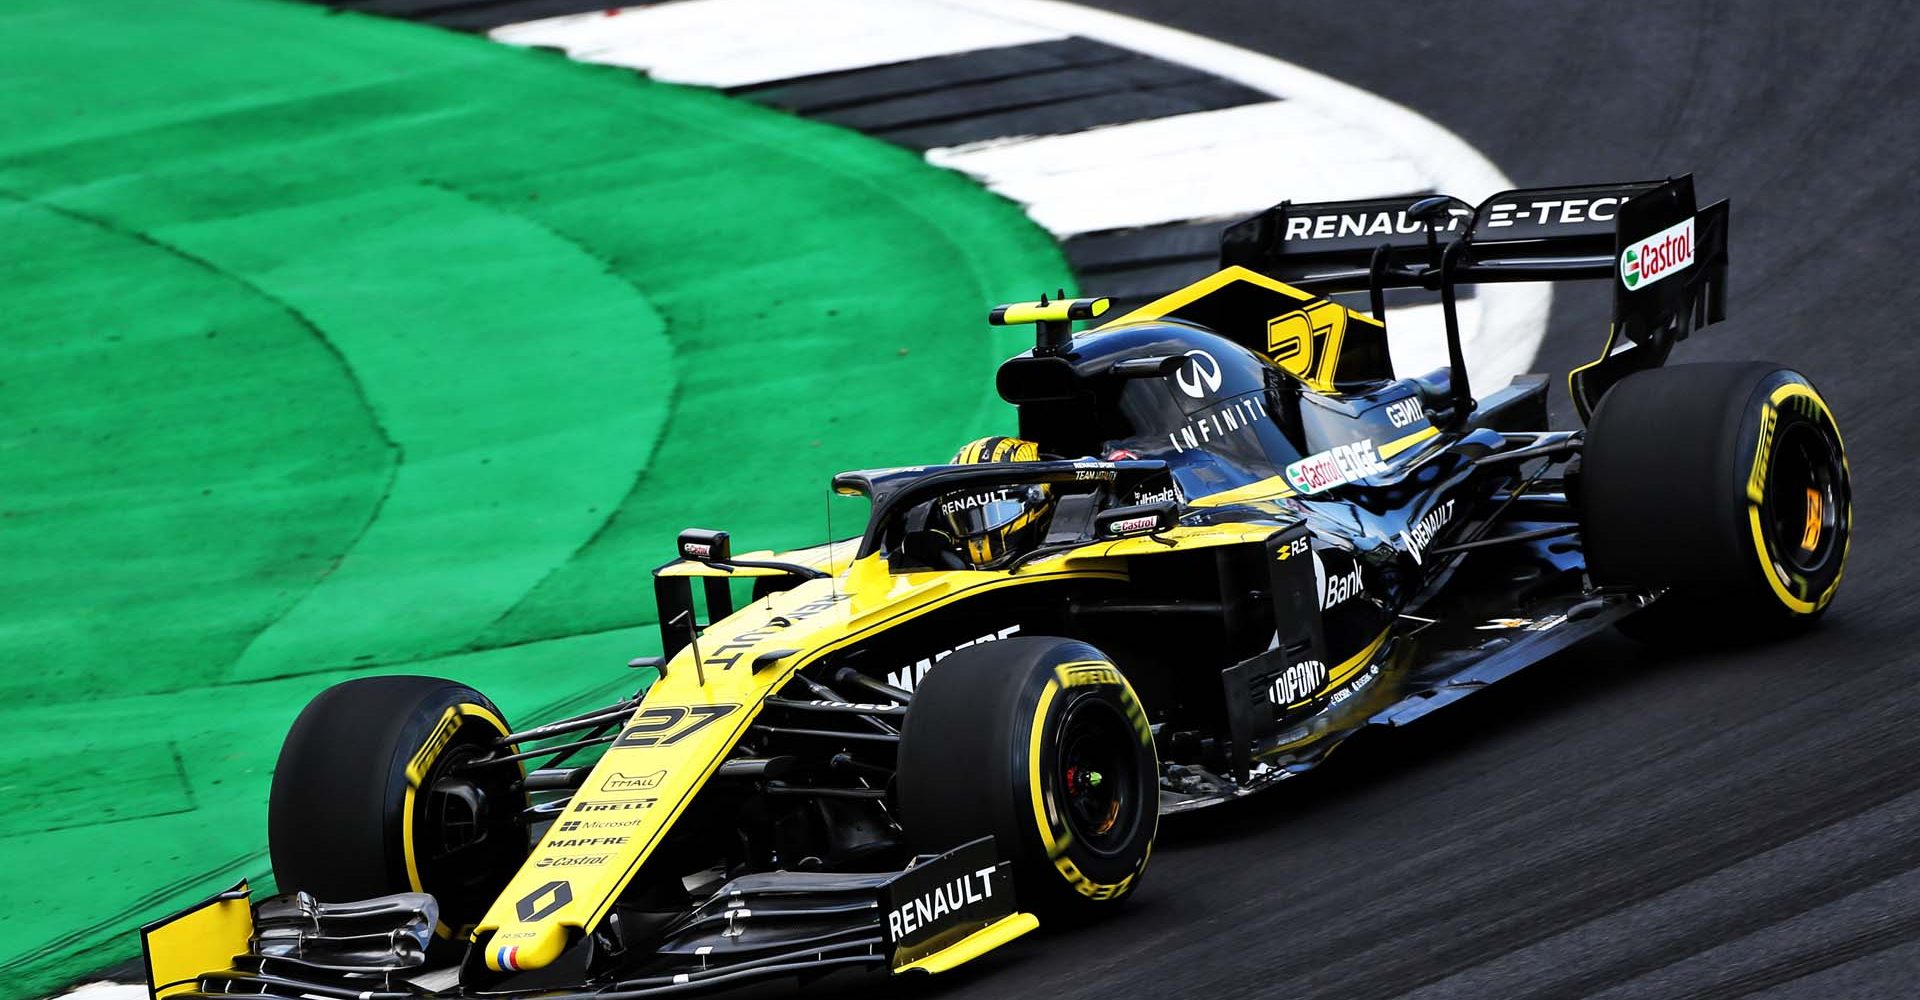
<point x="1227" y="537"/>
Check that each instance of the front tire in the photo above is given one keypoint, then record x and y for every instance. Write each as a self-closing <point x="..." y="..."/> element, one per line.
<point x="1725" y="483"/>
<point x="369" y="798"/>
<point x="1042" y="744"/>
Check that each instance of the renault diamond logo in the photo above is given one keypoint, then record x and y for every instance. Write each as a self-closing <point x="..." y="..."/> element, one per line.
<point x="556" y="894"/>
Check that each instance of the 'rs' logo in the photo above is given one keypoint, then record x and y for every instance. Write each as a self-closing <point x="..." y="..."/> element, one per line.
<point x="531" y="908"/>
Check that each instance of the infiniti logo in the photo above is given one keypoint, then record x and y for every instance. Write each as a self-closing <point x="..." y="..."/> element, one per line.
<point x="1199" y="378"/>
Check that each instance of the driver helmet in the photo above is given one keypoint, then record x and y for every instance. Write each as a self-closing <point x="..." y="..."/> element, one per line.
<point x="993" y="525"/>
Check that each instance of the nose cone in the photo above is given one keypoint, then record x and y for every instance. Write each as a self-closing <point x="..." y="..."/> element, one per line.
<point x="533" y="947"/>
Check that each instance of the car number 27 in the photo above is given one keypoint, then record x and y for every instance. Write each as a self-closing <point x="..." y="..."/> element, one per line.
<point x="665" y="725"/>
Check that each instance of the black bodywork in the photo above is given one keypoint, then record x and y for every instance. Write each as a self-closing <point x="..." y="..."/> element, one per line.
<point x="1207" y="633"/>
<point x="1453" y="565"/>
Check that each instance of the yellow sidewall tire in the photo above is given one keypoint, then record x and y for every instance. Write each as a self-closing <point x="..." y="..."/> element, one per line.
<point x="988" y="747"/>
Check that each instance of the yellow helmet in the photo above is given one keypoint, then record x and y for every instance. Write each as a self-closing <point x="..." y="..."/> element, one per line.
<point x="994" y="525"/>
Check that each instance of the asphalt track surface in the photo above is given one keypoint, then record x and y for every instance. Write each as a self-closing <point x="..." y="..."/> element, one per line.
<point x="1622" y="821"/>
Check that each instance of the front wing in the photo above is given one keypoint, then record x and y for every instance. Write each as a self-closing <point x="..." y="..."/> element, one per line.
<point x="939" y="912"/>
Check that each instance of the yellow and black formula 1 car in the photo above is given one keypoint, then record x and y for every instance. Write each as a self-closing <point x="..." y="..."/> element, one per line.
<point x="1225" y="538"/>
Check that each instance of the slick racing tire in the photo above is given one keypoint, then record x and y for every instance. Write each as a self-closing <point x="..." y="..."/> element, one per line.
<point x="1725" y="483"/>
<point x="370" y="797"/>
<point x="1041" y="743"/>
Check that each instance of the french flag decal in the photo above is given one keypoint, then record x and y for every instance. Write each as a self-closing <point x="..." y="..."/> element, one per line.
<point x="508" y="958"/>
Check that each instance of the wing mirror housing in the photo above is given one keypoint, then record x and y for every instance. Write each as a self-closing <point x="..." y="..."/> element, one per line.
<point x="702" y="545"/>
<point x="1139" y="519"/>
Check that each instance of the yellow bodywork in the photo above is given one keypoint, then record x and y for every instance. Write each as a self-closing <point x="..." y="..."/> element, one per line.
<point x="975" y="945"/>
<point x="1059" y="311"/>
<point x="201" y="939"/>
<point x="693" y="717"/>
<point x="1306" y="335"/>
<point x="684" y="729"/>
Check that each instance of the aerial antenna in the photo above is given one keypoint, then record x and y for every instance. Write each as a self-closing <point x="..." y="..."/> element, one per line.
<point x="833" y="586"/>
<point x="693" y="639"/>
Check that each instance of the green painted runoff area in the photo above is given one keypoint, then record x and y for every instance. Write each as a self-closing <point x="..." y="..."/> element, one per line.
<point x="332" y="345"/>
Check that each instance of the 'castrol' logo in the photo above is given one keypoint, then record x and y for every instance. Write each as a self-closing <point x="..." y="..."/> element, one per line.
<point x="1647" y="261"/>
<point x="1336" y="466"/>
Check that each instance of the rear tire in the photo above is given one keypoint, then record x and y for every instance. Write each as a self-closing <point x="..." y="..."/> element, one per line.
<point x="1724" y="483"/>
<point x="1042" y="744"/>
<point x="368" y="800"/>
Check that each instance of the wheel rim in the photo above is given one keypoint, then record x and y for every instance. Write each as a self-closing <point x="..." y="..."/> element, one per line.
<point x="1098" y="776"/>
<point x="466" y="830"/>
<point x="1805" y="498"/>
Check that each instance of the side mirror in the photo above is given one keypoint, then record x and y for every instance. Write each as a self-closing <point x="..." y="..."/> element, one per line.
<point x="701" y="545"/>
<point x="1140" y="519"/>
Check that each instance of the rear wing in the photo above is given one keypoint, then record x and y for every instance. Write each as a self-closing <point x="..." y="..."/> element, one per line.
<point x="1667" y="260"/>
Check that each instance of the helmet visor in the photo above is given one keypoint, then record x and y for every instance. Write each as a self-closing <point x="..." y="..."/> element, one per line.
<point x="974" y="514"/>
